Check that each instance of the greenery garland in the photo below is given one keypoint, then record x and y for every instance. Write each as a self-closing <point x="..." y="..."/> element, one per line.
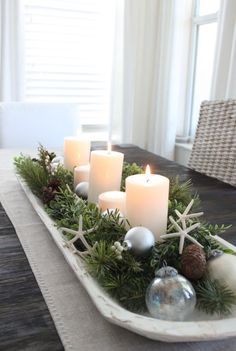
<point x="124" y="279"/>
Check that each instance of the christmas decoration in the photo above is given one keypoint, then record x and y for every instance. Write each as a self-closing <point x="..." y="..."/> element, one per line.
<point x="81" y="190"/>
<point x="193" y="262"/>
<point x="78" y="235"/>
<point x="170" y="296"/>
<point x="58" y="159"/>
<point x="111" y="211"/>
<point x="118" y="248"/>
<point x="126" y="279"/>
<point x="222" y="266"/>
<point x="50" y="190"/>
<point x="140" y="240"/>
<point x="183" y="232"/>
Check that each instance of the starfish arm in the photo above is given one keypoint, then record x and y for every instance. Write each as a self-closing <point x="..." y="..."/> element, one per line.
<point x="175" y="224"/>
<point x="84" y="241"/>
<point x="80" y="223"/>
<point x="187" y="209"/>
<point x="192" y="227"/>
<point x="91" y="229"/>
<point x="193" y="240"/>
<point x="193" y="215"/>
<point x="184" y="226"/>
<point x="76" y="237"/>
<point x="178" y="213"/>
<point x="67" y="230"/>
<point x="181" y="243"/>
<point x="171" y="235"/>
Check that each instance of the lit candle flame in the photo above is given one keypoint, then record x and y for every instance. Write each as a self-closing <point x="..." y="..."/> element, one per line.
<point x="148" y="173"/>
<point x="109" y="147"/>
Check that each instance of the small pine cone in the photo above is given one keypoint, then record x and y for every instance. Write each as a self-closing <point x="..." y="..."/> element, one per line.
<point x="48" y="194"/>
<point x="54" y="184"/>
<point x="193" y="262"/>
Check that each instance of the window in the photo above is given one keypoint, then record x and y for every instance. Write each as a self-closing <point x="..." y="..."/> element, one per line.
<point x="68" y="46"/>
<point x="204" y="33"/>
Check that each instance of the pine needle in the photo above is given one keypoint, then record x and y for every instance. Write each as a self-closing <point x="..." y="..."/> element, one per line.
<point x="214" y="297"/>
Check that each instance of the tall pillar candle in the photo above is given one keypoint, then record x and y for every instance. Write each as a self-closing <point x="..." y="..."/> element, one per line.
<point x="105" y="172"/>
<point x="81" y="174"/>
<point x="76" y="152"/>
<point x="147" y="202"/>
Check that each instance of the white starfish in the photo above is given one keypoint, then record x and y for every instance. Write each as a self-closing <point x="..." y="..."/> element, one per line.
<point x="184" y="216"/>
<point x="78" y="235"/>
<point x="183" y="232"/>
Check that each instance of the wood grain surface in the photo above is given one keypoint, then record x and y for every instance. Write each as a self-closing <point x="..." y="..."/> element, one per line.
<point x="25" y="322"/>
<point x="218" y="199"/>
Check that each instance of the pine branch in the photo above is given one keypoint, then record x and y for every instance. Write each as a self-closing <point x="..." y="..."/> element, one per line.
<point x="34" y="175"/>
<point x="128" y="170"/>
<point x="214" y="297"/>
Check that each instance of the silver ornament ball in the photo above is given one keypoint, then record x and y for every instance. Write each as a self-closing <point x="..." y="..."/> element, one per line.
<point x="170" y="296"/>
<point x="81" y="190"/>
<point x="139" y="240"/>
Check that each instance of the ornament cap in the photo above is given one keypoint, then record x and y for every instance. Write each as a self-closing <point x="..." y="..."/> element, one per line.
<point x="166" y="272"/>
<point x="214" y="253"/>
<point x="127" y="245"/>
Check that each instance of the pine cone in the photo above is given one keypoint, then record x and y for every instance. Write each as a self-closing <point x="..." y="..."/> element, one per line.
<point x="50" y="190"/>
<point x="193" y="262"/>
<point x="48" y="194"/>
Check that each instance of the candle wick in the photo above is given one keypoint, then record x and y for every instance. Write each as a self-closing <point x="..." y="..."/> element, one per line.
<point x="148" y="179"/>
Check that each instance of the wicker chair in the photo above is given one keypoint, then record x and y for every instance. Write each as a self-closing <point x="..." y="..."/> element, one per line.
<point x="214" y="148"/>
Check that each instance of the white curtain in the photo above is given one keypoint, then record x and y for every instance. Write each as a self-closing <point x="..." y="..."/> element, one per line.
<point x="151" y="75"/>
<point x="11" y="51"/>
<point x="224" y="73"/>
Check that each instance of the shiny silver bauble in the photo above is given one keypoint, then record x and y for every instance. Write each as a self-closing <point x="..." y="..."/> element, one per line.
<point x="170" y="296"/>
<point x="139" y="240"/>
<point x="81" y="190"/>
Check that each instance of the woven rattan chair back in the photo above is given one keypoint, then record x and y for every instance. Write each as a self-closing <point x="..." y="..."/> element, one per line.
<point x="214" y="148"/>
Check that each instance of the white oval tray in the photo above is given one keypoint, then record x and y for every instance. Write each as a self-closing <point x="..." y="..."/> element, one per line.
<point x="199" y="328"/>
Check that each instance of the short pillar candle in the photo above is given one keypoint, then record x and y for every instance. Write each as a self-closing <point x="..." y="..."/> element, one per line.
<point x="112" y="199"/>
<point x="147" y="202"/>
<point x="76" y="152"/>
<point x="81" y="174"/>
<point x="105" y="173"/>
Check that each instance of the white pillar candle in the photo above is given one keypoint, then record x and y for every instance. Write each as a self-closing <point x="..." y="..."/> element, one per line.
<point x="81" y="174"/>
<point x="147" y="202"/>
<point x="76" y="152"/>
<point x="105" y="173"/>
<point x="112" y="199"/>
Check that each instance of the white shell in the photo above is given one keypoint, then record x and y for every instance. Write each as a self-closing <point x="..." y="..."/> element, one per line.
<point x="223" y="268"/>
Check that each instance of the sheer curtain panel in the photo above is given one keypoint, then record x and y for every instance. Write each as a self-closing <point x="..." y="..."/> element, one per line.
<point x="154" y="74"/>
<point x="224" y="74"/>
<point x="11" y="51"/>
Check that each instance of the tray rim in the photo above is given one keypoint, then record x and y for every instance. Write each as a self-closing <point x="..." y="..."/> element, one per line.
<point x="155" y="329"/>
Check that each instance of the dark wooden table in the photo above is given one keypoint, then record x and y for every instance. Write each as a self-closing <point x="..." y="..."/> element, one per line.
<point x="25" y="322"/>
<point x="218" y="199"/>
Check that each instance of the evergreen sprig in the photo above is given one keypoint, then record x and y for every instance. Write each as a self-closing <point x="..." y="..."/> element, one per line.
<point x="125" y="279"/>
<point x="33" y="173"/>
<point x="128" y="170"/>
<point x="214" y="297"/>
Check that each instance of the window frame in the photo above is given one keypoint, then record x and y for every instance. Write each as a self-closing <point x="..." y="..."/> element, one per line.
<point x="196" y="21"/>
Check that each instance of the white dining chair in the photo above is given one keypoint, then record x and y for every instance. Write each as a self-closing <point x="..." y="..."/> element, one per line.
<point x="26" y="125"/>
<point x="214" y="147"/>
